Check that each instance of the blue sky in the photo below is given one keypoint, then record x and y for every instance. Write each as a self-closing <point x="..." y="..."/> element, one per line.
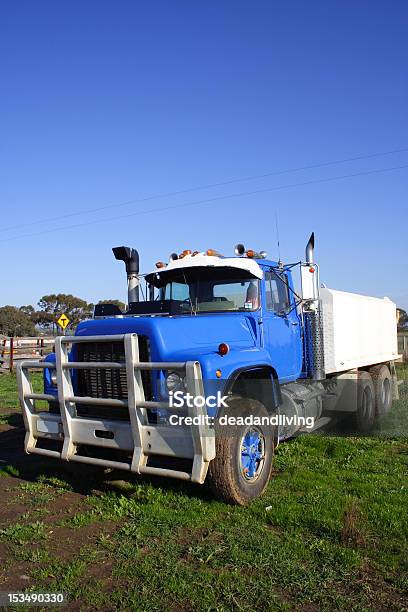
<point x="106" y="102"/>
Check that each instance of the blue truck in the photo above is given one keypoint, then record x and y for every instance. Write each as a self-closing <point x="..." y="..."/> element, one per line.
<point x="221" y="360"/>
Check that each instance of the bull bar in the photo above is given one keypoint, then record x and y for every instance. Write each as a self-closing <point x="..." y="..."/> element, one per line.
<point x="140" y="438"/>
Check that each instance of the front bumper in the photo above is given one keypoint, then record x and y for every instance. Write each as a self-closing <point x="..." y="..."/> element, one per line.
<point x="138" y="438"/>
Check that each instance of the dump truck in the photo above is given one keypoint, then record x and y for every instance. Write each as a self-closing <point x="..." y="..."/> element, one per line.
<point x="221" y="360"/>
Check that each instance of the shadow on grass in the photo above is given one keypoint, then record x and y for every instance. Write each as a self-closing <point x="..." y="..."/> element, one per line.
<point x="14" y="419"/>
<point x="82" y="478"/>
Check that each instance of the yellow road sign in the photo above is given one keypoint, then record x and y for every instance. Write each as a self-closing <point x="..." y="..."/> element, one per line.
<point x="63" y="321"/>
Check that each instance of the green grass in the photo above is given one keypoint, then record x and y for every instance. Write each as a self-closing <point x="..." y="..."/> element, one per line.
<point x="9" y="403"/>
<point x="20" y="534"/>
<point x="330" y="533"/>
<point x="8" y="470"/>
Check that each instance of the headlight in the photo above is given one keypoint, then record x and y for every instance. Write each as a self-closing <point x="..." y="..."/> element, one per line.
<point x="174" y="382"/>
<point x="54" y="377"/>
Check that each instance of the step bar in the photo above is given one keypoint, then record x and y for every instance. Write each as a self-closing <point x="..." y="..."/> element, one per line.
<point x="139" y="438"/>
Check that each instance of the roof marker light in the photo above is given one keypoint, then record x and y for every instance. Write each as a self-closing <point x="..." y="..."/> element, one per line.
<point x="255" y="255"/>
<point x="160" y="264"/>
<point x="213" y="253"/>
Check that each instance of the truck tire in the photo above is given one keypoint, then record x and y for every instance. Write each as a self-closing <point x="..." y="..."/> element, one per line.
<point x="242" y="467"/>
<point x="365" y="414"/>
<point x="383" y="389"/>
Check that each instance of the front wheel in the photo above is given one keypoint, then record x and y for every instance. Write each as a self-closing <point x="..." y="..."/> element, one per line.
<point x="242" y="467"/>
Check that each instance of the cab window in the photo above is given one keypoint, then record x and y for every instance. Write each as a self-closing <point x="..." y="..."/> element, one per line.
<point x="277" y="292"/>
<point x="176" y="291"/>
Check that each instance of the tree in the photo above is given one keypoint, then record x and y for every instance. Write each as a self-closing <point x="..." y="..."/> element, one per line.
<point x="15" y="322"/>
<point x="53" y="305"/>
<point x="402" y="317"/>
<point x="28" y="310"/>
<point x="43" y="319"/>
<point x="117" y="303"/>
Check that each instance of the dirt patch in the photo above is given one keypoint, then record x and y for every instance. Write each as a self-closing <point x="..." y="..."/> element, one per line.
<point x="380" y="593"/>
<point x="60" y="543"/>
<point x="352" y="532"/>
<point x="188" y="536"/>
<point x="66" y="542"/>
<point x="10" y="508"/>
<point x="19" y="507"/>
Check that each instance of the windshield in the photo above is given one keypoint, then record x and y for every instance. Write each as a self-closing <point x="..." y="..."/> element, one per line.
<point x="208" y="289"/>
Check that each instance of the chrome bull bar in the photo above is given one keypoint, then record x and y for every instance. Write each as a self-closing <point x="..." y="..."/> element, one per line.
<point x="139" y="438"/>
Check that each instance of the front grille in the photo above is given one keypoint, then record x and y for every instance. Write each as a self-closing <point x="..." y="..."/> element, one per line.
<point x="108" y="383"/>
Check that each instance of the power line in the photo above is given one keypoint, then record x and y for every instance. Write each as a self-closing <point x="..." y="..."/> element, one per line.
<point x="209" y="201"/>
<point x="207" y="186"/>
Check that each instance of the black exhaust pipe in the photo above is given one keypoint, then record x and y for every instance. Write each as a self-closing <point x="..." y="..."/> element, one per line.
<point x="131" y="258"/>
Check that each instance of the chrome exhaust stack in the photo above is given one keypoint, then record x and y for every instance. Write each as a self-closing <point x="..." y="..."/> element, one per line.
<point x="310" y="249"/>
<point x="312" y="314"/>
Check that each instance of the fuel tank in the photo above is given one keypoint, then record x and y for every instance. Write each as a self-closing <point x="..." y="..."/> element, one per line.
<point x="301" y="407"/>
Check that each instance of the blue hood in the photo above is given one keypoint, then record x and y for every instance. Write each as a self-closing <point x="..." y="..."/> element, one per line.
<point x="182" y="338"/>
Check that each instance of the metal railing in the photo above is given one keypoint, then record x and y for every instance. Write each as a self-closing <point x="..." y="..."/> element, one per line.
<point x="14" y="349"/>
<point x="403" y="345"/>
<point x="140" y="438"/>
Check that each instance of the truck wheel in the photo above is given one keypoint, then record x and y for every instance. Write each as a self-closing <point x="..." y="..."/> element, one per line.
<point x="383" y="389"/>
<point x="242" y="467"/>
<point x="365" y="414"/>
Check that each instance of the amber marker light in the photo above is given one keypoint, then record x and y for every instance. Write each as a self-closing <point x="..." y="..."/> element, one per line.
<point x="223" y="349"/>
<point x="160" y="264"/>
<point x="250" y="254"/>
<point x="218" y="373"/>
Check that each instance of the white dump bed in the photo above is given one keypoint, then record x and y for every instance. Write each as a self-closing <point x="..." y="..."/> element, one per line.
<point x="358" y="330"/>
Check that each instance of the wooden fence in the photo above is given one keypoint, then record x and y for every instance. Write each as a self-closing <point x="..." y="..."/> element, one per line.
<point x="14" y="349"/>
<point x="403" y="344"/>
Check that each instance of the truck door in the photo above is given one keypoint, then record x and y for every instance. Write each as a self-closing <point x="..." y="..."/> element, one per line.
<point x="282" y="330"/>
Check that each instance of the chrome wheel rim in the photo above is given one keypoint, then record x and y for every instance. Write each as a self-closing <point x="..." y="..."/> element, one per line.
<point x="252" y="454"/>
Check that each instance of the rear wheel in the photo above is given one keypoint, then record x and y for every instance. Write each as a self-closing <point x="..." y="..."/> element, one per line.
<point x="365" y="414"/>
<point x="382" y="388"/>
<point x="242" y="467"/>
